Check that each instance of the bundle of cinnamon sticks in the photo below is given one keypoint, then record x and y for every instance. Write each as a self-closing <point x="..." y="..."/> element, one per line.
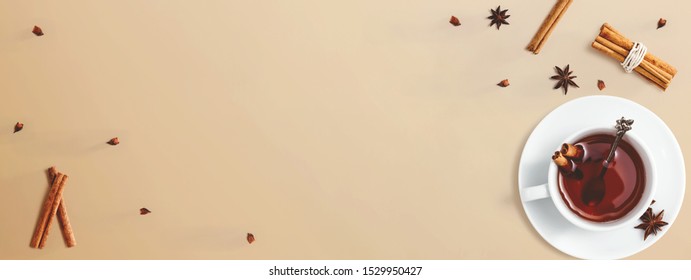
<point x="54" y="205"/>
<point x="612" y="43"/>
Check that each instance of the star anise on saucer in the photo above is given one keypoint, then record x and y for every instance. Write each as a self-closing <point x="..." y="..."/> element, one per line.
<point x="565" y="79"/>
<point x="498" y="17"/>
<point x="651" y="223"/>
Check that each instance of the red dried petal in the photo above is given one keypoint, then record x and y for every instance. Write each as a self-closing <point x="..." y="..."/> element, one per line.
<point x="250" y="238"/>
<point x="37" y="31"/>
<point x="661" y="23"/>
<point x="17" y="127"/>
<point x="144" y="211"/>
<point x="454" y="21"/>
<point x="504" y="83"/>
<point x="600" y="84"/>
<point x="114" y="141"/>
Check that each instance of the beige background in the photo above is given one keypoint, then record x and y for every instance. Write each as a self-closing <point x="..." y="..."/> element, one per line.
<point x="329" y="129"/>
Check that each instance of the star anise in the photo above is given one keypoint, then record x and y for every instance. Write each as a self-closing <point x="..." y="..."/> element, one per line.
<point x="651" y="223"/>
<point x="564" y="79"/>
<point x="498" y="17"/>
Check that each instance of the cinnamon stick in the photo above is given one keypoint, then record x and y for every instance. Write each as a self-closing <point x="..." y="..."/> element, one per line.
<point x="616" y="37"/>
<point x="596" y="45"/>
<point x="65" y="225"/>
<point x="54" y="209"/>
<point x="45" y="212"/>
<point x="548" y="25"/>
<point x="562" y="162"/>
<point x="566" y="166"/>
<point x="574" y="152"/>
<point x="657" y="72"/>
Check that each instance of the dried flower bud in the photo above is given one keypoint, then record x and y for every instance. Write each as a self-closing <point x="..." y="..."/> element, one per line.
<point x="17" y="127"/>
<point x="144" y="211"/>
<point x="454" y="21"/>
<point x="504" y="83"/>
<point x="250" y="238"/>
<point x="661" y="23"/>
<point x="114" y="141"/>
<point x="37" y="31"/>
<point x="600" y="84"/>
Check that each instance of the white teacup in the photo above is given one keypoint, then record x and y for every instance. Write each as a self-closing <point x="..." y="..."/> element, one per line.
<point x="551" y="188"/>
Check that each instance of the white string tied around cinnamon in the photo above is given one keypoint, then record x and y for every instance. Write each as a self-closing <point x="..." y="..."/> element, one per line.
<point x="635" y="57"/>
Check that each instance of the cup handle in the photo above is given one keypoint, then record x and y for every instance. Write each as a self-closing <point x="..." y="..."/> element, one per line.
<point x="534" y="193"/>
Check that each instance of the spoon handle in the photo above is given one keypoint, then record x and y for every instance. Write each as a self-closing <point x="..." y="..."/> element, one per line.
<point x="620" y="134"/>
<point x="623" y="125"/>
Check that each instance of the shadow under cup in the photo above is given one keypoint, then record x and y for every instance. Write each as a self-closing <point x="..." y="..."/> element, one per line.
<point x="628" y="181"/>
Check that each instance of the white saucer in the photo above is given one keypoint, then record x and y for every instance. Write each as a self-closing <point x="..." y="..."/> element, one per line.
<point x="593" y="111"/>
